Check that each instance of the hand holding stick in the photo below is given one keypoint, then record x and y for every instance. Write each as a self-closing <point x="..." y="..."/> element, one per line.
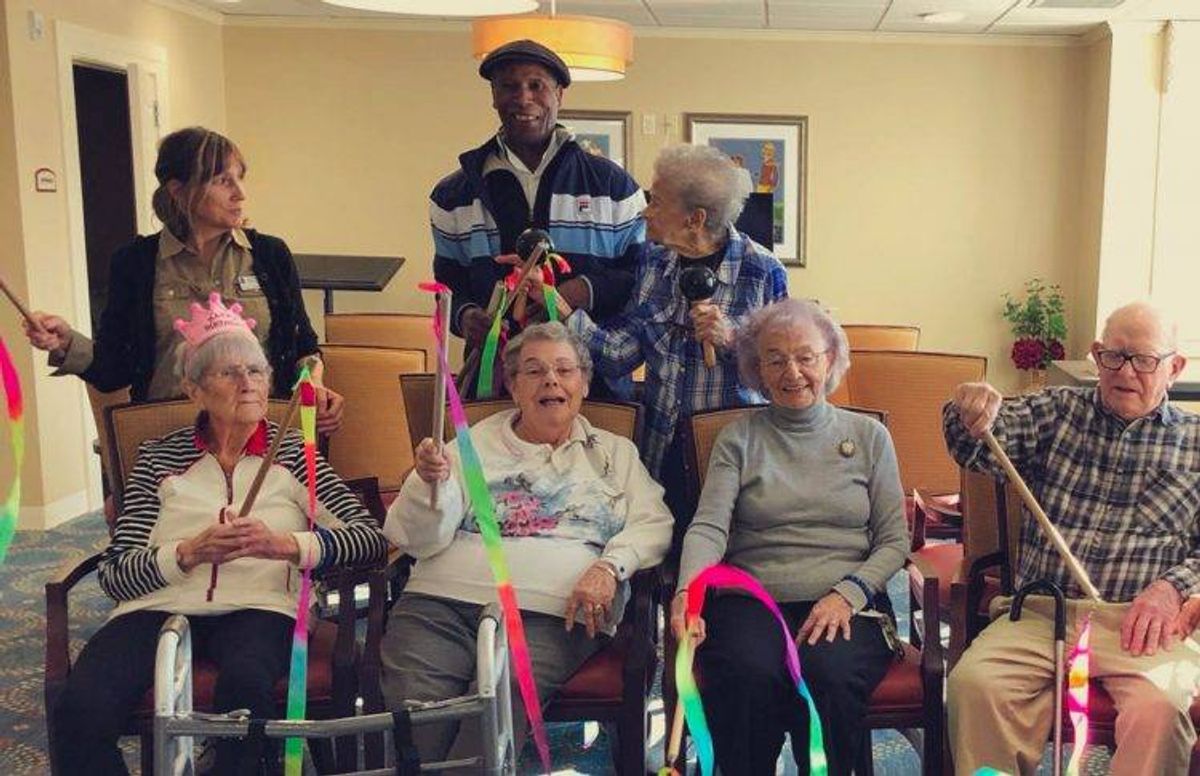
<point x="1048" y="528"/>
<point x="698" y="283"/>
<point x="21" y="308"/>
<point x="442" y="311"/>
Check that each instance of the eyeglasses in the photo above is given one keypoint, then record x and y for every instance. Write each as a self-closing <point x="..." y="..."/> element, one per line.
<point x="539" y="371"/>
<point x="779" y="362"/>
<point x="1145" y="363"/>
<point x="235" y="374"/>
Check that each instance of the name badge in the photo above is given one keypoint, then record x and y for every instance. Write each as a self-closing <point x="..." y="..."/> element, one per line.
<point x="248" y="283"/>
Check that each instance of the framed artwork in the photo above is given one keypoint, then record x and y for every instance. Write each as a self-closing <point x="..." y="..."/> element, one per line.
<point x="607" y="133"/>
<point x="773" y="151"/>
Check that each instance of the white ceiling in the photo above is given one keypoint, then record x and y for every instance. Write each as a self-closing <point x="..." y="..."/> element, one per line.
<point x="981" y="17"/>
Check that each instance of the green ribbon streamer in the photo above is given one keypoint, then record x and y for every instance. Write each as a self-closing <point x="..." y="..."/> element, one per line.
<point x="483" y="388"/>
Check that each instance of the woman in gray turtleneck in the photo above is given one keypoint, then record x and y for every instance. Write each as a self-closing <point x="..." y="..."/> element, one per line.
<point x="806" y="497"/>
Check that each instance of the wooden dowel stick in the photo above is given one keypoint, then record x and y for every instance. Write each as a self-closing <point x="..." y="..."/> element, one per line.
<point x="676" y="739"/>
<point x="1048" y="528"/>
<point x="442" y="311"/>
<point x="265" y="466"/>
<point x="21" y="308"/>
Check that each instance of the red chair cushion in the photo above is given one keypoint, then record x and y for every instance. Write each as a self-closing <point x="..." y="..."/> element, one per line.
<point x="321" y="643"/>
<point x="901" y="689"/>
<point x="600" y="678"/>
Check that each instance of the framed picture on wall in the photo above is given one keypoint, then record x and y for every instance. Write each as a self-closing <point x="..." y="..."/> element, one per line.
<point x="607" y="133"/>
<point x="773" y="152"/>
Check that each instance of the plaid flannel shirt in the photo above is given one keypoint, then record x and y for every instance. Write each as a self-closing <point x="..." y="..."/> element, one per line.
<point x="655" y="328"/>
<point x="1125" y="496"/>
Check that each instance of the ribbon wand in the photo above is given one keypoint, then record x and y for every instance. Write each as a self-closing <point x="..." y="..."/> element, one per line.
<point x="265" y="466"/>
<point x="442" y="311"/>
<point x="21" y="308"/>
<point x="1073" y="565"/>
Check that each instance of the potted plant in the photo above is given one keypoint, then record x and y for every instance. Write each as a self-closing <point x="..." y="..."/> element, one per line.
<point x="1040" y="326"/>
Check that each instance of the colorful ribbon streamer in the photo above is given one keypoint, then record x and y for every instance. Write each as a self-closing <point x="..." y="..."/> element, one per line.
<point x="297" y="698"/>
<point x="722" y="576"/>
<point x="1077" y="693"/>
<point x="483" y="387"/>
<point x="489" y="530"/>
<point x="16" y="424"/>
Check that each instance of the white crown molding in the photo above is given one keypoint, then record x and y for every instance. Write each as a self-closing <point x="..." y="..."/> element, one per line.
<point x="192" y="9"/>
<point x="833" y="36"/>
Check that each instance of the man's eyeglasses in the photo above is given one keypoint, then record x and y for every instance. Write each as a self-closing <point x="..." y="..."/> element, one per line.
<point x="1145" y="363"/>
<point x="235" y="374"/>
<point x="539" y="371"/>
<point x="779" y="362"/>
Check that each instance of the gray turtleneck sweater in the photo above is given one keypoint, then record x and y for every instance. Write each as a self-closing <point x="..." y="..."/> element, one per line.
<point x="801" y="499"/>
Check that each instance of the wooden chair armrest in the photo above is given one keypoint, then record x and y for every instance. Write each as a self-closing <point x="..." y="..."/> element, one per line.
<point x="58" y="636"/>
<point x="641" y="615"/>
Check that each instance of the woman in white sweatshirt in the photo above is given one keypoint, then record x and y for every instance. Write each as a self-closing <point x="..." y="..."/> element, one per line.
<point x="180" y="548"/>
<point x="578" y="512"/>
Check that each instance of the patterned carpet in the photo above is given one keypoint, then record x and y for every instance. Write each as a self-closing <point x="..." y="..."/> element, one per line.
<point x="35" y="556"/>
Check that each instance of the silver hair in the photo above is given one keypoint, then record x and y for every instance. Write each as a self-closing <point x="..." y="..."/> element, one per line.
<point x="704" y="178"/>
<point x="233" y="346"/>
<point x="787" y="313"/>
<point x="551" y="331"/>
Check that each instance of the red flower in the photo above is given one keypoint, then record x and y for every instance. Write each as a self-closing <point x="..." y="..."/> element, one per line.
<point x="1027" y="353"/>
<point x="1057" y="352"/>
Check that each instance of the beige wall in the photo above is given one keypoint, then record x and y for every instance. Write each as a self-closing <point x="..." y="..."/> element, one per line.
<point x="62" y="465"/>
<point x="941" y="174"/>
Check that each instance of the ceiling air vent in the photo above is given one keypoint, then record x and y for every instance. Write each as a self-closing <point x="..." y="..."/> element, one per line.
<point x="1079" y="5"/>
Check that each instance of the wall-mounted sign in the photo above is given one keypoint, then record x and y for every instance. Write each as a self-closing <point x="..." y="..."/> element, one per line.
<point x="44" y="179"/>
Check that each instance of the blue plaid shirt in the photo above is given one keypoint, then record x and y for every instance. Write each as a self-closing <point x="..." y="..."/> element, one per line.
<point x="655" y="328"/>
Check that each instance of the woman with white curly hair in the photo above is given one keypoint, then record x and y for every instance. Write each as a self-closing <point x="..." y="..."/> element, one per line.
<point x="806" y="497"/>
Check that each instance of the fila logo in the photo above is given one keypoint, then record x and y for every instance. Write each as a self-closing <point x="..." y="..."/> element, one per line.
<point x="585" y="204"/>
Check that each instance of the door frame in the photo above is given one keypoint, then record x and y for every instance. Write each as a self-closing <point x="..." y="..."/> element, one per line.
<point x="145" y="66"/>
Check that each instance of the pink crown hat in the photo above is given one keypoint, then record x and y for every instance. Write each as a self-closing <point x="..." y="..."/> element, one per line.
<point x="217" y="319"/>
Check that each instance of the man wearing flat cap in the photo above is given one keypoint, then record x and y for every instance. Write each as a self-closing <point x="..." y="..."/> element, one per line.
<point x="532" y="173"/>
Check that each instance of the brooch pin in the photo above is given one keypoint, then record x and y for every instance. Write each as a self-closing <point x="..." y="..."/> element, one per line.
<point x="846" y="448"/>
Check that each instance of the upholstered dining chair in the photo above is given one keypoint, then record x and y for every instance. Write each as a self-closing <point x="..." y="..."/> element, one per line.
<point x="382" y="330"/>
<point x="870" y="336"/>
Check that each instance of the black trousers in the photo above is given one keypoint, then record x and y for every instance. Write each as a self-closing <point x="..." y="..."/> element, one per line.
<point x="749" y="697"/>
<point x="251" y="649"/>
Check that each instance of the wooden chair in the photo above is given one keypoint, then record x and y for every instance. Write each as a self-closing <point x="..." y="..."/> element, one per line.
<point x="374" y="439"/>
<point x="333" y="660"/>
<point x="382" y="330"/>
<point x="910" y="695"/>
<point x="613" y="685"/>
<point x="993" y="522"/>
<point x="864" y="336"/>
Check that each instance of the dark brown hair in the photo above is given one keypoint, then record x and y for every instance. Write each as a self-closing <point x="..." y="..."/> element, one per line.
<point x="193" y="157"/>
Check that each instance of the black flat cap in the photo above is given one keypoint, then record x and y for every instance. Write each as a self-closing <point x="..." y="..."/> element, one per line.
<point x="526" y="51"/>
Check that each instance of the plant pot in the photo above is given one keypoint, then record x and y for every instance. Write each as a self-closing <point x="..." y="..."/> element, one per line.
<point x="1032" y="380"/>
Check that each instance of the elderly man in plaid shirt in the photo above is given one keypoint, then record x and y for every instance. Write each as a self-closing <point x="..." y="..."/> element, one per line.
<point x="1118" y="470"/>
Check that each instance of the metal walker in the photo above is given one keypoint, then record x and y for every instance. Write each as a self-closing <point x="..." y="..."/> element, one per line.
<point x="176" y="723"/>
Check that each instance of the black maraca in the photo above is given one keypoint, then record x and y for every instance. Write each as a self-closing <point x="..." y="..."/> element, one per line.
<point x="532" y="244"/>
<point x="698" y="283"/>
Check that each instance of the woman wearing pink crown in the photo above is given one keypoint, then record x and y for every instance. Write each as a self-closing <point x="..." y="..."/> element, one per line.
<point x="179" y="547"/>
<point x="202" y="248"/>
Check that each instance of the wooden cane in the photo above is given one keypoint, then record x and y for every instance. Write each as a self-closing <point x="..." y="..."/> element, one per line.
<point x="21" y="308"/>
<point x="265" y="466"/>
<point x="442" y="311"/>
<point x="1048" y="528"/>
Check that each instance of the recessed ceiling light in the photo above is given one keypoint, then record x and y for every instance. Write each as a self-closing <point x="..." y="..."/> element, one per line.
<point x="941" y="17"/>
<point x="441" y="7"/>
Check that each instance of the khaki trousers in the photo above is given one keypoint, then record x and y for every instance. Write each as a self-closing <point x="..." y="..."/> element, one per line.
<point x="1000" y="703"/>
